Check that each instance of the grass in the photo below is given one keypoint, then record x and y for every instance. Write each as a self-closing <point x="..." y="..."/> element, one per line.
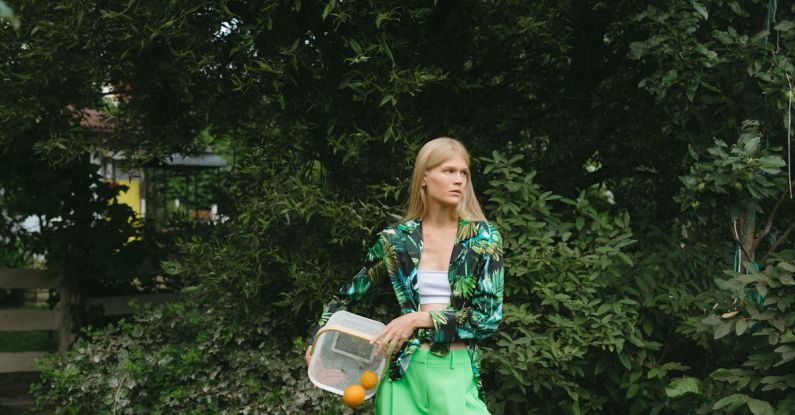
<point x="29" y="341"/>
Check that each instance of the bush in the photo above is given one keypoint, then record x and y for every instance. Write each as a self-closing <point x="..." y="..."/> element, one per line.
<point x="572" y="338"/>
<point x="761" y="338"/>
<point x="237" y="344"/>
<point x="182" y="358"/>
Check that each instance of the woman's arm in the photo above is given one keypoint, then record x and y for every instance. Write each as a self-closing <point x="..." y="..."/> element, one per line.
<point x="422" y="320"/>
<point x="392" y="337"/>
<point x="373" y="270"/>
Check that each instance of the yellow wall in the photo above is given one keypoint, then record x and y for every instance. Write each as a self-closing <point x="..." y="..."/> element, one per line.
<point x="132" y="197"/>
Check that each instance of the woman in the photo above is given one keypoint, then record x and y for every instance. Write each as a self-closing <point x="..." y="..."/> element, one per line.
<point x="445" y="264"/>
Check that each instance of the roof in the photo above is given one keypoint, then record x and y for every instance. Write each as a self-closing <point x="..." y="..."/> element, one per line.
<point x="205" y="159"/>
<point x="103" y="122"/>
<point x="94" y="120"/>
<point x="200" y="160"/>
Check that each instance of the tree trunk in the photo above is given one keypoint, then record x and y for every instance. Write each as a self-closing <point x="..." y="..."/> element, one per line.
<point x="70" y="297"/>
<point x="748" y="238"/>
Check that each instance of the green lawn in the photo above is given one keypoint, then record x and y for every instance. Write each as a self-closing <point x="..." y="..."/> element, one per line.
<point x="29" y="341"/>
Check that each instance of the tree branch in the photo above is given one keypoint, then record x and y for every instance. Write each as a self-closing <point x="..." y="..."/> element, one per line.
<point x="780" y="240"/>
<point x="769" y="224"/>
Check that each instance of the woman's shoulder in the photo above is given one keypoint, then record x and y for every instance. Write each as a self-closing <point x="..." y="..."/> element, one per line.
<point x="490" y="228"/>
<point x="483" y="227"/>
<point x="407" y="226"/>
<point x="487" y="232"/>
<point x="393" y="230"/>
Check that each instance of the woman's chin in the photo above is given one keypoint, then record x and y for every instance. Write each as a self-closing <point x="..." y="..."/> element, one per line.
<point x="449" y="202"/>
<point x="456" y="200"/>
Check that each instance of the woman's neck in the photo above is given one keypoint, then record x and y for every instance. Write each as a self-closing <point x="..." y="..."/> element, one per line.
<point x="440" y="217"/>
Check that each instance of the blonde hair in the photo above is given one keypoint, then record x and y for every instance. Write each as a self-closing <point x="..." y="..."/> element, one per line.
<point x="432" y="154"/>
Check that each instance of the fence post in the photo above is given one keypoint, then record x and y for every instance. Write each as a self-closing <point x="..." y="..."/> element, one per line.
<point x="69" y="297"/>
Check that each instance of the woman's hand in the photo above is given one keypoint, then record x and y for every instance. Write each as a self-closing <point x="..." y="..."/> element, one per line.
<point x="395" y="334"/>
<point x="308" y="355"/>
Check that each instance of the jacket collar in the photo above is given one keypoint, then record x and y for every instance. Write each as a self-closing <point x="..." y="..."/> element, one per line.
<point x="413" y="231"/>
<point x="466" y="228"/>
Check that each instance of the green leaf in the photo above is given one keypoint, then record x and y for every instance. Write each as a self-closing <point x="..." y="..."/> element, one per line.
<point x="329" y="7"/>
<point x="778" y="323"/>
<point x="701" y="9"/>
<point x="682" y="386"/>
<point x="752" y="145"/>
<point x="384" y="100"/>
<point x="784" y="25"/>
<point x="632" y="390"/>
<point x="356" y="46"/>
<point x="624" y="360"/>
<point x="670" y="76"/>
<point x="737" y="9"/>
<point x="383" y="17"/>
<point x="758" y="407"/>
<point x="741" y="326"/>
<point x="731" y="401"/>
<point x="712" y="320"/>
<point x="723" y="330"/>
<point x="692" y="152"/>
<point x="171" y="267"/>
<point x="759" y="36"/>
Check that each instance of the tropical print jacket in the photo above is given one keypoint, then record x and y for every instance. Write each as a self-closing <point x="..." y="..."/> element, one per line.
<point x="476" y="278"/>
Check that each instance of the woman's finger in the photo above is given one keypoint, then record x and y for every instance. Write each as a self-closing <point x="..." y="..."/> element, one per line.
<point x="376" y="337"/>
<point x="388" y="343"/>
<point x="391" y="346"/>
<point x="381" y="344"/>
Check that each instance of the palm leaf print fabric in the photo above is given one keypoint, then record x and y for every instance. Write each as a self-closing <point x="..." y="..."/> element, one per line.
<point x="475" y="274"/>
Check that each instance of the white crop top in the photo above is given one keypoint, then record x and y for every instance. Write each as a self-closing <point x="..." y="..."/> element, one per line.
<point x="433" y="287"/>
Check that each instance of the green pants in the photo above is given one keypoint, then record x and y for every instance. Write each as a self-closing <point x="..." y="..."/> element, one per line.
<point x="432" y="385"/>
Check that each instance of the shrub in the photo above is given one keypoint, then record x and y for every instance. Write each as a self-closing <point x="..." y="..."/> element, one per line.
<point x="182" y="358"/>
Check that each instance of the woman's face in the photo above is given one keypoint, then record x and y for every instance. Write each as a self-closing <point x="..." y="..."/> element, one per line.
<point x="446" y="183"/>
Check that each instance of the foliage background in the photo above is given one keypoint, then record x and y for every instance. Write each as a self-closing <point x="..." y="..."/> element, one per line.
<point x="633" y="154"/>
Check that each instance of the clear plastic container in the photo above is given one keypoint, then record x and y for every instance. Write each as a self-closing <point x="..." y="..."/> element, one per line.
<point x="342" y="352"/>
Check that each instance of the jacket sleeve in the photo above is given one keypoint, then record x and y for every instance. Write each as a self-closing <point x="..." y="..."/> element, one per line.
<point x="481" y="316"/>
<point x="373" y="270"/>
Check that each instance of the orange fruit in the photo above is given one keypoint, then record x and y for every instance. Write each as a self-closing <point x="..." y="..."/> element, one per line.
<point x="353" y="395"/>
<point x="368" y="379"/>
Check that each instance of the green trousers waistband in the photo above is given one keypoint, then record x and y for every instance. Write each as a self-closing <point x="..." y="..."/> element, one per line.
<point x="432" y="385"/>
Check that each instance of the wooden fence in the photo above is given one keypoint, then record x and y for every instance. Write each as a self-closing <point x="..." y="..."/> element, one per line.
<point x="59" y="319"/>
